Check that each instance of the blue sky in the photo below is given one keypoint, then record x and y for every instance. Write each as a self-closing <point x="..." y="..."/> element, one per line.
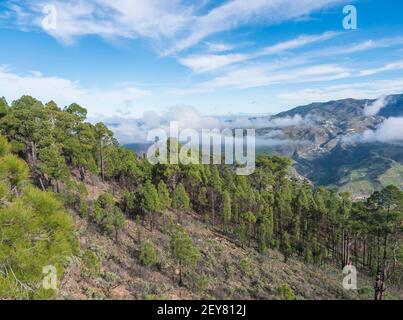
<point x="124" y="58"/>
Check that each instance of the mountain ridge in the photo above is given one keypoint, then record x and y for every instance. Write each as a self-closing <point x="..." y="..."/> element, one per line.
<point x="327" y="149"/>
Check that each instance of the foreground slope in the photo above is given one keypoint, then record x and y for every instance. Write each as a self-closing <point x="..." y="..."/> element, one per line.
<point x="226" y="271"/>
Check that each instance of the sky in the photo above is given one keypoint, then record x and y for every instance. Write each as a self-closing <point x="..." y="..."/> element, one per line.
<point x="127" y="58"/>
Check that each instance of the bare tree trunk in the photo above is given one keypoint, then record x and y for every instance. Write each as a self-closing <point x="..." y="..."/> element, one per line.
<point x="213" y="205"/>
<point x="82" y="173"/>
<point x="180" y="275"/>
<point x="101" y="154"/>
<point x="41" y="183"/>
<point x="33" y="153"/>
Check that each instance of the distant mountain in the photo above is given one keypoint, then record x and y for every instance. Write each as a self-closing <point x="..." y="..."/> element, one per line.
<point x="323" y="154"/>
<point x="322" y="147"/>
<point x="394" y="107"/>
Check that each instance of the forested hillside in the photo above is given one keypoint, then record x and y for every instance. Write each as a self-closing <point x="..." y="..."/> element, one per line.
<point x="49" y="155"/>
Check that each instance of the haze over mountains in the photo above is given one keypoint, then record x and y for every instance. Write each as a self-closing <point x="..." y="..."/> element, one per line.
<point x="353" y="145"/>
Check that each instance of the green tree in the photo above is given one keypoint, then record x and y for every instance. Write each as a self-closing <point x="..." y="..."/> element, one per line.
<point x="4" y="108"/>
<point x="52" y="165"/>
<point x="226" y="211"/>
<point x="150" y="201"/>
<point x="183" y="252"/>
<point x="265" y="228"/>
<point x="180" y="200"/>
<point x="285" y="246"/>
<point x="148" y="255"/>
<point x="78" y="111"/>
<point x="286" y="292"/>
<point x="164" y="196"/>
<point x="128" y="202"/>
<point x="250" y="220"/>
<point x="118" y="222"/>
<point x="36" y="232"/>
<point x="242" y="232"/>
<point x="108" y="216"/>
<point x="4" y="146"/>
<point x="202" y="200"/>
<point x="215" y="189"/>
<point x="104" y="137"/>
<point x="13" y="171"/>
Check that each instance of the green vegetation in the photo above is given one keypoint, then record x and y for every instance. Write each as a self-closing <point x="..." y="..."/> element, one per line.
<point x="286" y="293"/>
<point x="183" y="252"/>
<point x="36" y="232"/>
<point x="108" y="216"/>
<point x="91" y="262"/>
<point x="393" y="176"/>
<point x="148" y="254"/>
<point x="61" y="153"/>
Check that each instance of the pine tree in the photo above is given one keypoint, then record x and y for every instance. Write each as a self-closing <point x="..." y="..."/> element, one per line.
<point x="4" y="146"/>
<point x="52" y="165"/>
<point x="183" y="252"/>
<point x="215" y="188"/>
<point x="4" y="108"/>
<point x="250" y="220"/>
<point x="148" y="255"/>
<point x="36" y="232"/>
<point x="285" y="246"/>
<point x="226" y="212"/>
<point x="164" y="196"/>
<point x="180" y="199"/>
<point x="13" y="171"/>
<point x="150" y="201"/>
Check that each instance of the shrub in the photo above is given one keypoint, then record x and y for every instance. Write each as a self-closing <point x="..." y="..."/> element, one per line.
<point x="202" y="282"/>
<point x="91" y="262"/>
<point x="148" y="254"/>
<point x="286" y="292"/>
<point x="245" y="266"/>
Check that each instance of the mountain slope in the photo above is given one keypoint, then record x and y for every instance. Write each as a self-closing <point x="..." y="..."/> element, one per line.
<point x="226" y="270"/>
<point x="323" y="154"/>
<point x="394" y="108"/>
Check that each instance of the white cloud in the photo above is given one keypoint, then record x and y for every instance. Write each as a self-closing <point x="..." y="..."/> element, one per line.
<point x="389" y="67"/>
<point x="234" y="13"/>
<point x="358" y="47"/>
<point x="267" y="74"/>
<point x="219" y="47"/>
<point x="299" y="42"/>
<point x="389" y="131"/>
<point x="323" y="93"/>
<point x="207" y="62"/>
<point x="259" y="122"/>
<point x="296" y="120"/>
<point x="135" y="130"/>
<point x="374" y="108"/>
<point x="203" y="63"/>
<point x="65" y="92"/>
<point x="176" y="25"/>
